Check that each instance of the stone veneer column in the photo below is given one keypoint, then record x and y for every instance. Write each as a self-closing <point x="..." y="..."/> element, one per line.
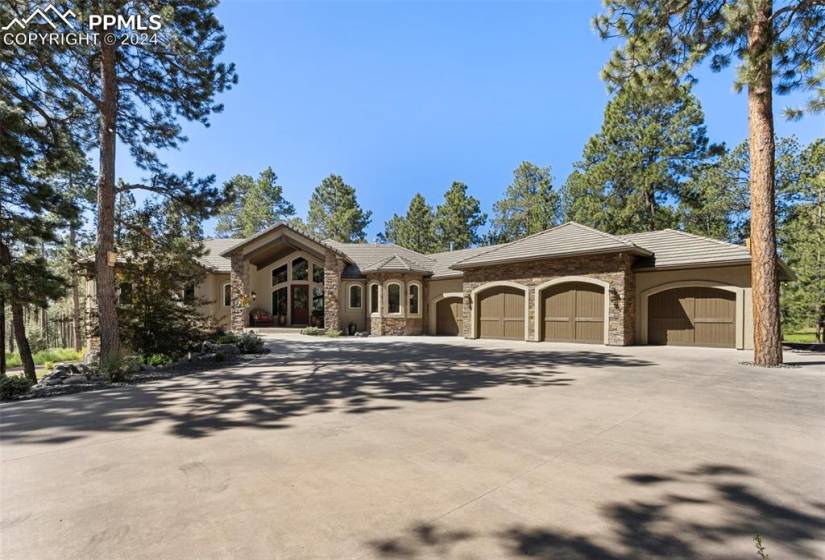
<point x="239" y="280"/>
<point x="333" y="267"/>
<point x="622" y="307"/>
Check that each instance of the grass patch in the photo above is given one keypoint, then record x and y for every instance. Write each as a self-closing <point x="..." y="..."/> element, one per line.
<point x="804" y="336"/>
<point x="51" y="355"/>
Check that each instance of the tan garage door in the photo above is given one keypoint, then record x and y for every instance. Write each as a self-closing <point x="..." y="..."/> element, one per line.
<point x="448" y="319"/>
<point x="692" y="317"/>
<point x="573" y="312"/>
<point x="501" y="313"/>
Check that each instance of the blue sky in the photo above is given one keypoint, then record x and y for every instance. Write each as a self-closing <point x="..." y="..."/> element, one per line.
<point x="400" y="98"/>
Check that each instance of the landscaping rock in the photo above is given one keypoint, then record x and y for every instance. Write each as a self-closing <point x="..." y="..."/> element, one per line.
<point x="73" y="379"/>
<point x="225" y="349"/>
<point x="91" y="357"/>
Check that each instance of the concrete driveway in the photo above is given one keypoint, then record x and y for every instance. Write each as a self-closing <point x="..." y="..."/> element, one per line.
<point x="427" y="448"/>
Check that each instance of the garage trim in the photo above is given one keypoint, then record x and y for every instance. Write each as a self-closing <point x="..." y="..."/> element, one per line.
<point x="564" y="280"/>
<point x="740" y="304"/>
<point x="474" y="307"/>
<point x="432" y="320"/>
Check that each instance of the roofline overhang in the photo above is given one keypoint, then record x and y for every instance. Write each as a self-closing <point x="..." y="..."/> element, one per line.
<point x="633" y="250"/>
<point x="228" y="252"/>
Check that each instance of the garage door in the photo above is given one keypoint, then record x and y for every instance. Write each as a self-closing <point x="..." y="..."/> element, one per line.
<point x="573" y="312"/>
<point x="448" y="319"/>
<point x="692" y="317"/>
<point x="501" y="313"/>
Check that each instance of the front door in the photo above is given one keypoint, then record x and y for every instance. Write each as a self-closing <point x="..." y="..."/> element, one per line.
<point x="300" y="305"/>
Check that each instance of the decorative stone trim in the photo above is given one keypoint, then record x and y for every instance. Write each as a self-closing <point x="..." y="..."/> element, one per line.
<point x="239" y="278"/>
<point x="333" y="267"/>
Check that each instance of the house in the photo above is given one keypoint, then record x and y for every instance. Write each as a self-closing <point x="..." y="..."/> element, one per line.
<point x="570" y="283"/>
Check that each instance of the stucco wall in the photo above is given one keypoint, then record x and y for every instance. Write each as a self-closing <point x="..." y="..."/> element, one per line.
<point x="210" y="290"/>
<point x="734" y="276"/>
<point x="349" y="314"/>
<point x="437" y="289"/>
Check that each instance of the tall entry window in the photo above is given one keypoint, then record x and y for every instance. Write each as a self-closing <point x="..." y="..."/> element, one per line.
<point x="300" y="269"/>
<point x="374" y="298"/>
<point x="317" y="307"/>
<point x="279" y="305"/>
<point x="414" y="295"/>
<point x="393" y="298"/>
<point x="279" y="275"/>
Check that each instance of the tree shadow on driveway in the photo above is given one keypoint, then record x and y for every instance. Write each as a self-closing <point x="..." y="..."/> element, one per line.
<point x="300" y="378"/>
<point x="728" y="511"/>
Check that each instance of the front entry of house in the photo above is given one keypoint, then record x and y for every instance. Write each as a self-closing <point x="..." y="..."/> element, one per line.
<point x="300" y="305"/>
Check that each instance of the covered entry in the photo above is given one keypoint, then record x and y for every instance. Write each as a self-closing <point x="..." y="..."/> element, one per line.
<point x="573" y="312"/>
<point x="448" y="319"/>
<point x="501" y="313"/>
<point x="692" y="316"/>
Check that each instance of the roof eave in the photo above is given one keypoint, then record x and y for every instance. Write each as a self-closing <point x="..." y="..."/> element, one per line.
<point x="634" y="250"/>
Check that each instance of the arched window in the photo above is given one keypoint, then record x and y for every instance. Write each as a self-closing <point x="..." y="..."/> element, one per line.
<point x="374" y="291"/>
<point x="355" y="296"/>
<point x="393" y="298"/>
<point x="414" y="299"/>
<point x="227" y="295"/>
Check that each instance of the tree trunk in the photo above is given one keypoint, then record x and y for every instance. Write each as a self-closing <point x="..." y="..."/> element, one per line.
<point x="767" y="341"/>
<point x="17" y="316"/>
<point x="2" y="337"/>
<point x="76" y="334"/>
<point x="104" y="273"/>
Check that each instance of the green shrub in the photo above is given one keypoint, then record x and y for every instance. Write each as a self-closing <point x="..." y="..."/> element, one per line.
<point x="313" y="331"/>
<point x="250" y="343"/>
<point x="157" y="360"/>
<point x="333" y="333"/>
<point x="119" y="367"/>
<point x="219" y="357"/>
<point x="48" y="365"/>
<point x="50" y="356"/>
<point x="13" y="385"/>
<point x="227" y="338"/>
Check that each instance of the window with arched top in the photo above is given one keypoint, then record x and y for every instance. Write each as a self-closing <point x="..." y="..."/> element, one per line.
<point x="414" y="299"/>
<point x="393" y="298"/>
<point x="374" y="291"/>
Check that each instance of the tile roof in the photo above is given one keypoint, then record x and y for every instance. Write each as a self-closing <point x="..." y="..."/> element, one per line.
<point x="212" y="259"/>
<point x="568" y="239"/>
<point x="443" y="261"/>
<point x="363" y="255"/>
<point x="280" y="224"/>
<point x="674" y="249"/>
<point x="397" y="263"/>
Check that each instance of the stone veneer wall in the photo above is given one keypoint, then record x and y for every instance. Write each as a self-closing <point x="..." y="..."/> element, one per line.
<point x="333" y="267"/>
<point x="397" y="326"/>
<point x="615" y="269"/>
<point x="239" y="280"/>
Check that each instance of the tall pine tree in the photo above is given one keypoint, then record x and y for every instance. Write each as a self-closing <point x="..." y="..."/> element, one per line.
<point x="458" y="219"/>
<point x="530" y="204"/>
<point x="133" y="94"/>
<point x="256" y="205"/>
<point x="334" y="212"/>
<point x="779" y="47"/>
<point x="416" y="230"/>
<point x="651" y="142"/>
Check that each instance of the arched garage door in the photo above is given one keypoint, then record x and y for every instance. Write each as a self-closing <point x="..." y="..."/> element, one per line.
<point x="695" y="316"/>
<point x="573" y="312"/>
<point x="448" y="319"/>
<point x="501" y="313"/>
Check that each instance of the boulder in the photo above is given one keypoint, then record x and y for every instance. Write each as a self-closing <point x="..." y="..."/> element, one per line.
<point x="75" y="379"/>
<point x="91" y="357"/>
<point x="226" y="349"/>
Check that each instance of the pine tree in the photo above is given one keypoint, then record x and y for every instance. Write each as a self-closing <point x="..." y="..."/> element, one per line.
<point x="530" y="204"/>
<point x="651" y="141"/>
<point x="416" y="230"/>
<point x="334" y="212"/>
<point x="257" y="204"/>
<point x="31" y="212"/>
<point x="458" y="219"/>
<point x="779" y="48"/>
<point x="117" y="90"/>
<point x="802" y="239"/>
